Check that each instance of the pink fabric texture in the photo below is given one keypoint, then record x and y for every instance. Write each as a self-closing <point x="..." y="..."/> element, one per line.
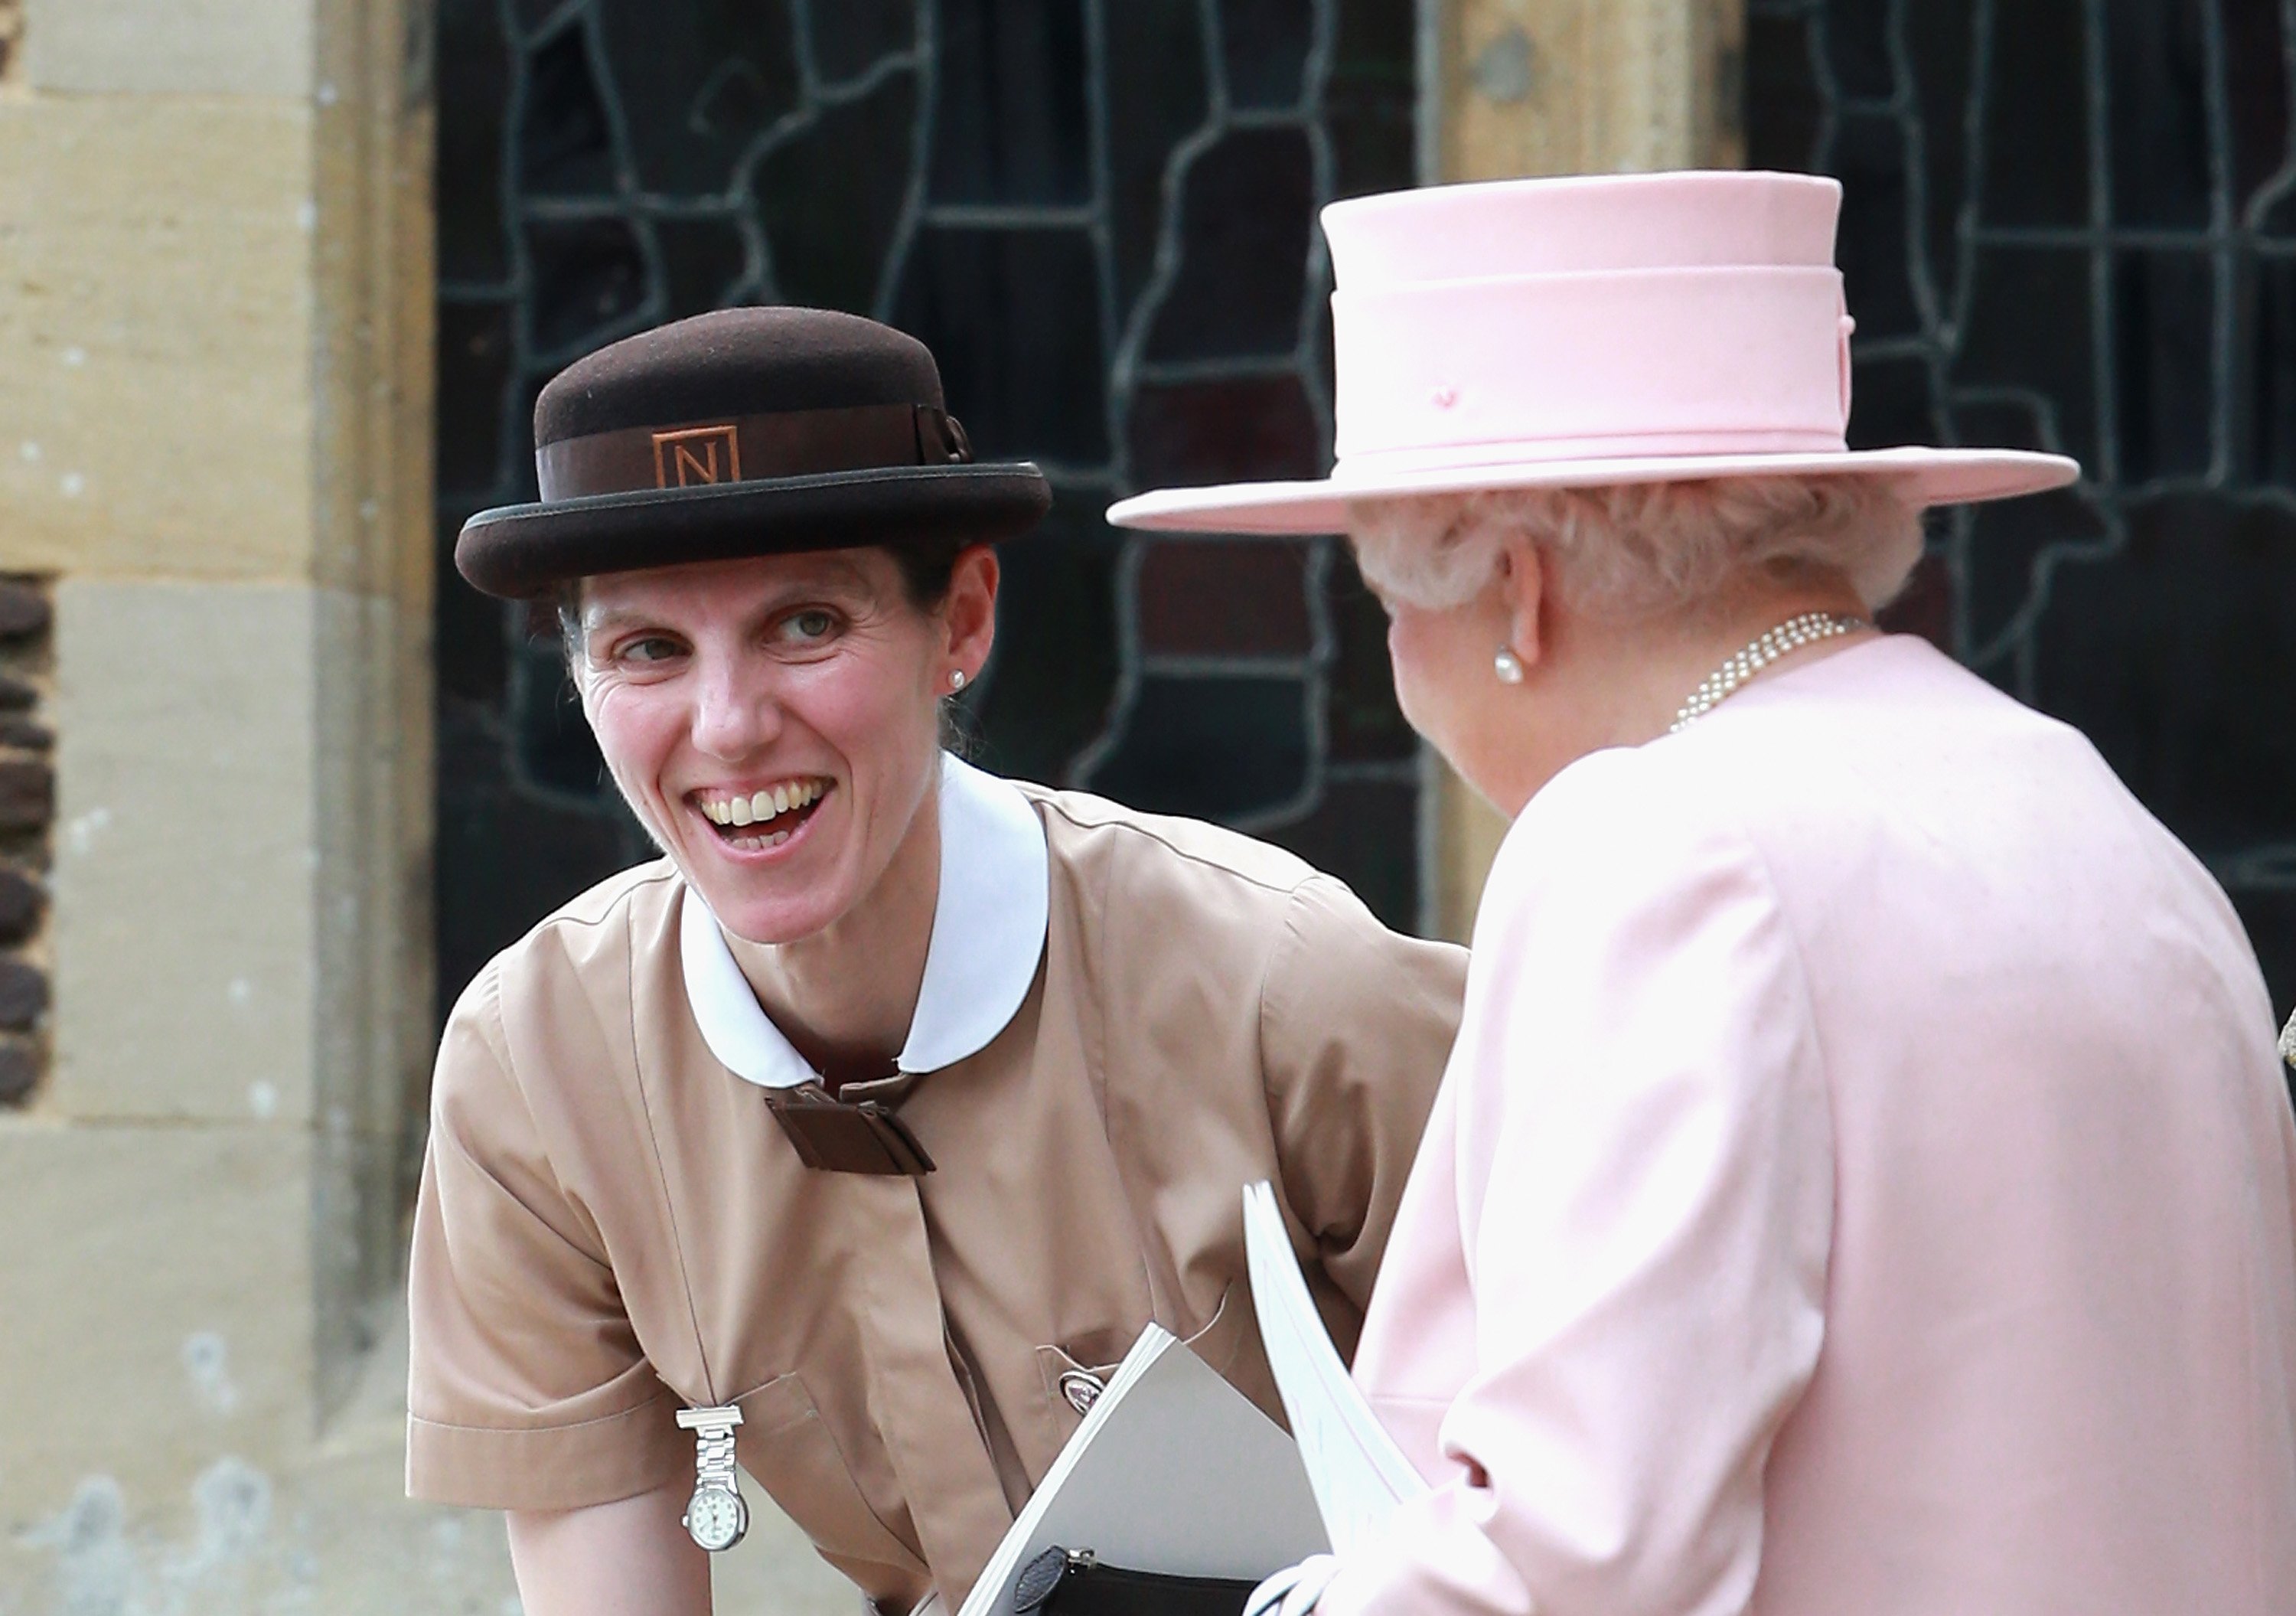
<point x="1864" y="1185"/>
<point x="1588" y="330"/>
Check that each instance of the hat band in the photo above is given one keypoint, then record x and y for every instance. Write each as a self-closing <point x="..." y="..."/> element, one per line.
<point x="1697" y="445"/>
<point x="750" y="448"/>
<point x="1721" y="354"/>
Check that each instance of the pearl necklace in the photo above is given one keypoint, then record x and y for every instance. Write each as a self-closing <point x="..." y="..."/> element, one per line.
<point x="1791" y="635"/>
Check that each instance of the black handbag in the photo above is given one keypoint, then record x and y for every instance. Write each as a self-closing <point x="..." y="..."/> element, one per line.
<point x="1074" y="1582"/>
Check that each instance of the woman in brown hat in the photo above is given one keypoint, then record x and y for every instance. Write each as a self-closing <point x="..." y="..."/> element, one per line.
<point x="856" y="1137"/>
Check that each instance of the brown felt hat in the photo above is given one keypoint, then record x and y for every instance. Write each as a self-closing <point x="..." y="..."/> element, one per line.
<point x="750" y="432"/>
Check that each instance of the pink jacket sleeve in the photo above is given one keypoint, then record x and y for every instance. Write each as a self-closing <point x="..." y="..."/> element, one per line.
<point x="1644" y="1191"/>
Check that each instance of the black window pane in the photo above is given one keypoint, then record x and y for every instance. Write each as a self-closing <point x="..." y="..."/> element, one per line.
<point x="1877" y="261"/>
<point x="2030" y="321"/>
<point x="2268" y="404"/>
<point x="476" y="352"/>
<point x="1858" y="48"/>
<point x="1371" y="98"/>
<point x="2165" y="380"/>
<point x="1013" y="316"/>
<point x="2255" y="92"/>
<point x="697" y="81"/>
<point x="1215" y="747"/>
<point x="1217" y="597"/>
<point x="565" y="146"/>
<point x="854" y="38"/>
<point x="2033" y="112"/>
<point x="1247" y="219"/>
<point x="1240" y="430"/>
<point x="469" y="647"/>
<point x="590" y="284"/>
<point x="1157" y="95"/>
<point x="473" y="75"/>
<point x="2159" y="89"/>
<point x="1785" y="110"/>
<point x="705" y="262"/>
<point x="1264" y="45"/>
<point x="1011" y="124"/>
<point x="832" y="202"/>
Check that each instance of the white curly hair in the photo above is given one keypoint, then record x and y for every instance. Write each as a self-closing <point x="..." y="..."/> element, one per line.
<point x="1633" y="550"/>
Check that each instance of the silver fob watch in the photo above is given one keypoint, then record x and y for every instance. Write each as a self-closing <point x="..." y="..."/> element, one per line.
<point x="716" y="1516"/>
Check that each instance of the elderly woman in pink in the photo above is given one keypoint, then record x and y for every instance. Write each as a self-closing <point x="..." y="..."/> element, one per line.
<point x="1863" y="1182"/>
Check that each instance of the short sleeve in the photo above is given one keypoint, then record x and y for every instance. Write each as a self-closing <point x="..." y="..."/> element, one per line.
<point x="1355" y="1024"/>
<point x="526" y="1388"/>
<point x="1645" y="1181"/>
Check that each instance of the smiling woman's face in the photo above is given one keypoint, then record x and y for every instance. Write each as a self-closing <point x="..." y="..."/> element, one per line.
<point x="775" y="721"/>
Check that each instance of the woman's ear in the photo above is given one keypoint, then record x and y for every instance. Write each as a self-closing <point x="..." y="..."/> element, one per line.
<point x="1525" y="598"/>
<point x="970" y="610"/>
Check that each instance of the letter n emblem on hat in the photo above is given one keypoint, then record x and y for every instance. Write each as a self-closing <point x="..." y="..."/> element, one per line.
<point x="696" y="454"/>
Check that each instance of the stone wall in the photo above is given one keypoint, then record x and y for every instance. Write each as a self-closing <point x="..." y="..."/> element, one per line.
<point x="215" y="348"/>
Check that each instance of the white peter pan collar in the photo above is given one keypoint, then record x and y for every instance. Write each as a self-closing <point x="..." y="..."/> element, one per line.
<point x="987" y="934"/>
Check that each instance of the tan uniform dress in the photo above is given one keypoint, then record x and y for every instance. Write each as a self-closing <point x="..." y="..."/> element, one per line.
<point x="1123" y="1020"/>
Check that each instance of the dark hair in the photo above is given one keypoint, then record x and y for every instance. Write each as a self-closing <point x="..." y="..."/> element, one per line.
<point x="928" y="566"/>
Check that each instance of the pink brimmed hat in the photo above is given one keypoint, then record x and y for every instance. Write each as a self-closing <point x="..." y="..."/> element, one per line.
<point x="1587" y="332"/>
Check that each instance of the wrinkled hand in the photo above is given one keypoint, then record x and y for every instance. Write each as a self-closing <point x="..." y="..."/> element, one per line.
<point x="1293" y="1590"/>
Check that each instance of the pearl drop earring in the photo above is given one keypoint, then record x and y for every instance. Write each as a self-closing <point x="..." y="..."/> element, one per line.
<point x="1507" y="666"/>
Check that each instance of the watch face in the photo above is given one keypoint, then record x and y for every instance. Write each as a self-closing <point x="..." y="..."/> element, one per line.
<point x="716" y="1518"/>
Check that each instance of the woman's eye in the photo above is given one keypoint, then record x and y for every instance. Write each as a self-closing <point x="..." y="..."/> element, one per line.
<point x="809" y="627"/>
<point x="652" y="648"/>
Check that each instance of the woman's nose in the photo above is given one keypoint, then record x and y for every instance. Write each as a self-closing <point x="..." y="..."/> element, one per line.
<point x="733" y="715"/>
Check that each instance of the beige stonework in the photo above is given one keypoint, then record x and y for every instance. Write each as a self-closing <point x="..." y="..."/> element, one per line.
<point x="156" y="341"/>
<point x="197" y="47"/>
<point x="205" y="1229"/>
<point x="187" y="985"/>
<point x="1528" y="88"/>
<point x="326" y="1529"/>
<point x="214" y="352"/>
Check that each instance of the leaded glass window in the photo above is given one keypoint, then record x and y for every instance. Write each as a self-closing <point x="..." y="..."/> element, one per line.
<point x="2071" y="225"/>
<point x="1100" y="216"/>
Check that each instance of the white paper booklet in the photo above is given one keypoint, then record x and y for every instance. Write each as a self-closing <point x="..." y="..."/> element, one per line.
<point x="1358" y="1474"/>
<point x="1173" y="1470"/>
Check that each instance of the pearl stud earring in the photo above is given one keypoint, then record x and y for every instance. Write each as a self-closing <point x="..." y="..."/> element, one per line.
<point x="957" y="678"/>
<point x="1507" y="666"/>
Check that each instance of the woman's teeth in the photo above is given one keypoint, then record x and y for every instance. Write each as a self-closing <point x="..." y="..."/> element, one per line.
<point x="761" y="807"/>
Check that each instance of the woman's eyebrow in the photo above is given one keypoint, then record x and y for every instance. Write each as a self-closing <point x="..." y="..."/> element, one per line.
<point x="603" y="618"/>
<point x="839" y="585"/>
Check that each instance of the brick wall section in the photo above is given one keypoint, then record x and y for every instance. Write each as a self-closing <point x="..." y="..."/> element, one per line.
<point x="28" y="797"/>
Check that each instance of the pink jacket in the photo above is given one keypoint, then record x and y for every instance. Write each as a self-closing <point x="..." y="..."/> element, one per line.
<point x="1862" y="1188"/>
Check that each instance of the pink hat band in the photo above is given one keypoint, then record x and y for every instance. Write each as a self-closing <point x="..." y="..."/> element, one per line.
<point x="1528" y="369"/>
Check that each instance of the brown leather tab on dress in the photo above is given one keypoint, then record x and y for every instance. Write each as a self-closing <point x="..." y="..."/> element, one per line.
<point x="833" y="1136"/>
